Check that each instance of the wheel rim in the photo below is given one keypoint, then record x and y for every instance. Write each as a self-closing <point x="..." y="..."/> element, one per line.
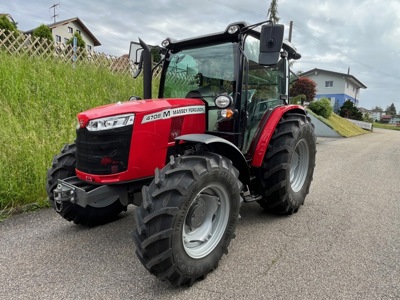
<point x="299" y="165"/>
<point x="105" y="202"/>
<point x="206" y="221"/>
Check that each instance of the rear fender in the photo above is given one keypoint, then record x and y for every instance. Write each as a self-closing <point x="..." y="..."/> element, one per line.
<point x="223" y="147"/>
<point x="266" y="130"/>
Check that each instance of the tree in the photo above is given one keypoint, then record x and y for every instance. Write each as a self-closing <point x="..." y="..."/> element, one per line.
<point x="391" y="110"/>
<point x="80" y="43"/>
<point x="6" y="24"/>
<point x="43" y="32"/>
<point x="273" y="12"/>
<point x="10" y="29"/>
<point x="304" y="86"/>
<point x="348" y="110"/>
<point x="378" y="108"/>
<point x="155" y="54"/>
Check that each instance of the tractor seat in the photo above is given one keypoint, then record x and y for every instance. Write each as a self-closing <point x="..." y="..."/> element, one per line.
<point x="193" y="94"/>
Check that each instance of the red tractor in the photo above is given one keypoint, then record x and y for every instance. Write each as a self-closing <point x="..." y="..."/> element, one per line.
<point x="221" y="133"/>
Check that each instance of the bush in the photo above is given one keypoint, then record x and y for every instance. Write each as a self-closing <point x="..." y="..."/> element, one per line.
<point x="43" y="32"/>
<point x="321" y="107"/>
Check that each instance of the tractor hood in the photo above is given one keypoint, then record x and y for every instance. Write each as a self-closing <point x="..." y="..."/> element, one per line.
<point x="144" y="110"/>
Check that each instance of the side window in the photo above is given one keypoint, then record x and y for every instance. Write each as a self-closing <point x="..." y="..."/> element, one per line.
<point x="262" y="85"/>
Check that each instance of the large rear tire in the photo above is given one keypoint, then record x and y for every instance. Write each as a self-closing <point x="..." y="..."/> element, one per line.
<point x="288" y="166"/>
<point x="188" y="217"/>
<point x="63" y="166"/>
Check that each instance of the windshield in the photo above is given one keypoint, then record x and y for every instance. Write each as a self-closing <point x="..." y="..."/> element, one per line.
<point x="201" y="72"/>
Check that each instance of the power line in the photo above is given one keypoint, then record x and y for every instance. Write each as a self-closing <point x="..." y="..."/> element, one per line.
<point x="236" y="7"/>
<point x="305" y="32"/>
<point x="54" y="11"/>
<point x="326" y="45"/>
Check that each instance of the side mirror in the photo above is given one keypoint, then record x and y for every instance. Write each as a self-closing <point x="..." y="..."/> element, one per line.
<point x="135" y="52"/>
<point x="135" y="55"/>
<point x="271" y="39"/>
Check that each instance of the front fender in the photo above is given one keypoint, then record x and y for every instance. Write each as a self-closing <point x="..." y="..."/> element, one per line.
<point x="266" y="130"/>
<point x="224" y="148"/>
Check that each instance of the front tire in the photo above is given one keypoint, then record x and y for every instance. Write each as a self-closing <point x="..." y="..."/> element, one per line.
<point x="63" y="166"/>
<point x="188" y="217"/>
<point x="288" y="166"/>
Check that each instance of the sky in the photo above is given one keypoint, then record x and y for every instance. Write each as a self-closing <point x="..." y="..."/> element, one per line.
<point x="335" y="35"/>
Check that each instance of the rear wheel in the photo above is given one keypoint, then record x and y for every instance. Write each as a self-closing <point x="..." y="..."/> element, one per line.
<point x="188" y="217"/>
<point x="288" y="165"/>
<point x="63" y="166"/>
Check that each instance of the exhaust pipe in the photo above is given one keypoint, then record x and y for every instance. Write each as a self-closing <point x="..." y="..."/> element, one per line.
<point x="147" y="75"/>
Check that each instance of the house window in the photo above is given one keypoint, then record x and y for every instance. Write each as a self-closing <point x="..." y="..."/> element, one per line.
<point x="78" y="31"/>
<point x="89" y="48"/>
<point x="70" y="30"/>
<point x="328" y="83"/>
<point x="65" y="40"/>
<point x="58" y="38"/>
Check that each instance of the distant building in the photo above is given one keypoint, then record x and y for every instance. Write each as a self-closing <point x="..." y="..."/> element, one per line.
<point x="376" y="114"/>
<point x="337" y="87"/>
<point x="395" y="121"/>
<point x="385" y="118"/>
<point x="365" y="112"/>
<point x="62" y="31"/>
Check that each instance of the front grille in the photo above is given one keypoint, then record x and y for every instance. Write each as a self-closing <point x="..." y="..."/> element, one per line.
<point x="103" y="152"/>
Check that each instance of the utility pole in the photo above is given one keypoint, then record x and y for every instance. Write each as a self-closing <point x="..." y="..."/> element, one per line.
<point x="54" y="11"/>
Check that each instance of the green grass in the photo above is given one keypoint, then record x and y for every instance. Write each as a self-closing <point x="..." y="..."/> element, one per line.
<point x="39" y="101"/>
<point x="386" y="126"/>
<point x="340" y="125"/>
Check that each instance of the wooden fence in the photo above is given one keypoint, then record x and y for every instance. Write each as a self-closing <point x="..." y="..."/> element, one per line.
<point x="25" y="44"/>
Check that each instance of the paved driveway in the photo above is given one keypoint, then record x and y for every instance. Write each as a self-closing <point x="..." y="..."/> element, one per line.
<point x="342" y="244"/>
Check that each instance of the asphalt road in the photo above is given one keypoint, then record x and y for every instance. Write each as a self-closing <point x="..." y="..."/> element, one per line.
<point x="344" y="243"/>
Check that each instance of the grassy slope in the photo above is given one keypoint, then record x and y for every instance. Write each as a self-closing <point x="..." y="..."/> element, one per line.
<point x="340" y="125"/>
<point x="39" y="101"/>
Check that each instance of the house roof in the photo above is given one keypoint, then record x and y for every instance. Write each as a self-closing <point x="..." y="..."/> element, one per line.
<point x="363" y="110"/>
<point x="347" y="76"/>
<point x="96" y="42"/>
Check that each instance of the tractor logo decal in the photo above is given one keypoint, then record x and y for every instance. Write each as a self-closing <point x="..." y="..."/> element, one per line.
<point x="174" y="112"/>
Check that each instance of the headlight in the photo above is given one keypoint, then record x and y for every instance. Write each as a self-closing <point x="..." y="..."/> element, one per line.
<point x="233" y="29"/>
<point x="223" y="101"/>
<point x="165" y="43"/>
<point x="110" y="122"/>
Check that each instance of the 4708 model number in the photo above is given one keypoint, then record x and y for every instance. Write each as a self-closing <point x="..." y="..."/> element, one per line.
<point x="173" y="112"/>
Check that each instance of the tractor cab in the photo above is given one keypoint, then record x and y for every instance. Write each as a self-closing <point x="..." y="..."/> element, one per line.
<point x="239" y="73"/>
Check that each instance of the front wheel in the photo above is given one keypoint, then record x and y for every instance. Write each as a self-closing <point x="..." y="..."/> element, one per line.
<point x="188" y="217"/>
<point x="288" y="166"/>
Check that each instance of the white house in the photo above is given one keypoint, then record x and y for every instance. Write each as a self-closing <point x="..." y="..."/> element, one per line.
<point x="376" y="114"/>
<point x="338" y="87"/>
<point x="62" y="31"/>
